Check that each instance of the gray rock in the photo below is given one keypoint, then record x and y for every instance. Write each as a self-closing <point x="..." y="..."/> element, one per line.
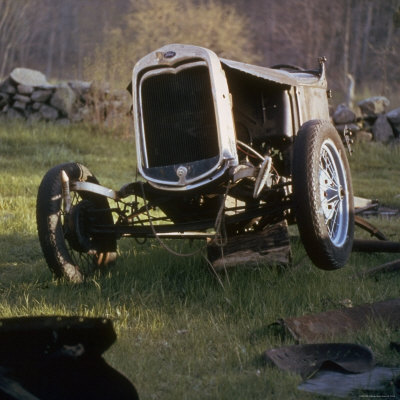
<point x="34" y="118"/>
<point x="22" y="98"/>
<point x="374" y="106"/>
<point x="49" y="113"/>
<point x="19" y="105"/>
<point x="12" y="113"/>
<point x="7" y="87"/>
<point x="24" y="89"/>
<point x="343" y="115"/>
<point x="81" y="88"/>
<point x="29" y="77"/>
<point x="81" y="114"/>
<point x="63" y="121"/>
<point x="36" y="106"/>
<point x="41" y="96"/>
<point x="63" y="99"/>
<point x="4" y="99"/>
<point x="363" y="136"/>
<point x="382" y="130"/>
<point x="394" y="120"/>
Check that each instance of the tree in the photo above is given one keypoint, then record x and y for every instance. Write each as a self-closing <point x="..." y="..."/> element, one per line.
<point x="12" y="35"/>
<point x="151" y="24"/>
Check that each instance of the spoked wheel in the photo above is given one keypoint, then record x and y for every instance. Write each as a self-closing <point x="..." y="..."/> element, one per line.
<point x="323" y="196"/>
<point x="70" y="248"/>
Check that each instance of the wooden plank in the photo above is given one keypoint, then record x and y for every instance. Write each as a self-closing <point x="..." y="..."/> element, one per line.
<point x="269" y="246"/>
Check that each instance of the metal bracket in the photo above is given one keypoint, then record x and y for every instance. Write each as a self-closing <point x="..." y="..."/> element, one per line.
<point x="66" y="196"/>
<point x="263" y="177"/>
<point x="94" y="188"/>
<point x="348" y="141"/>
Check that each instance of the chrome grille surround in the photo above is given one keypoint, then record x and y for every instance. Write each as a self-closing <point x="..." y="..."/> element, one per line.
<point x="193" y="142"/>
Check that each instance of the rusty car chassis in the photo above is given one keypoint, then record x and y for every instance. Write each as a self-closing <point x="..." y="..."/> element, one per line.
<point x="223" y="149"/>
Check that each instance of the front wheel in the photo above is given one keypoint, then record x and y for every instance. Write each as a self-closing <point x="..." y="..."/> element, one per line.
<point x="70" y="248"/>
<point x="323" y="196"/>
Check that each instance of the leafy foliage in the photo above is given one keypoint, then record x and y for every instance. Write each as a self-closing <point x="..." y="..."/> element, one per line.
<point x="151" y="24"/>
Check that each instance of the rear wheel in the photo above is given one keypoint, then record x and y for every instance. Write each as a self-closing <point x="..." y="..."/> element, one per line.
<point x="323" y="196"/>
<point x="70" y="248"/>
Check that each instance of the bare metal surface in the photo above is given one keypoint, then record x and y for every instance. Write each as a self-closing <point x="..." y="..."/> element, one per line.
<point x="316" y="327"/>
<point x="309" y="358"/>
<point x="278" y="75"/>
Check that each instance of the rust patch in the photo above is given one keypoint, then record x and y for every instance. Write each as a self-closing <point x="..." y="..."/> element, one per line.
<point x="317" y="327"/>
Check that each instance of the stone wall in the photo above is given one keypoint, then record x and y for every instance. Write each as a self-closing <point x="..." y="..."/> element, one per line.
<point x="369" y="120"/>
<point x="26" y="94"/>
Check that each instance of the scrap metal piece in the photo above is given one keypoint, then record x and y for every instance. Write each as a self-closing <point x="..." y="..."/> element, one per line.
<point x="307" y="359"/>
<point x="361" y="203"/>
<point x="376" y="246"/>
<point x="373" y="230"/>
<point x="391" y="266"/>
<point x="334" y="383"/>
<point x="316" y="327"/>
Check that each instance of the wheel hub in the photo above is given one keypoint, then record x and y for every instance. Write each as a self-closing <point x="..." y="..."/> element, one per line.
<point x="77" y="227"/>
<point x="333" y="189"/>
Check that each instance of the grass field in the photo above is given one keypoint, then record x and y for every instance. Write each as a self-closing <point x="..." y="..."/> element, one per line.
<point x="180" y="334"/>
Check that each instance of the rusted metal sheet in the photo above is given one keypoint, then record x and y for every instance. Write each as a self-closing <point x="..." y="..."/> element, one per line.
<point x="317" y="327"/>
<point x="310" y="358"/>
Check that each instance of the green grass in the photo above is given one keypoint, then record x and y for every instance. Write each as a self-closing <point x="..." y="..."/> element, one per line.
<point x="180" y="334"/>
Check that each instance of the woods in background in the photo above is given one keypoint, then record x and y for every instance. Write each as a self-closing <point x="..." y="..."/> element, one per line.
<point x="103" y="39"/>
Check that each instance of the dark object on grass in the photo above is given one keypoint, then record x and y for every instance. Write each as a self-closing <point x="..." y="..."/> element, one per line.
<point x="307" y="359"/>
<point x="316" y="327"/>
<point x="376" y="246"/>
<point x="59" y="358"/>
<point x="335" y="383"/>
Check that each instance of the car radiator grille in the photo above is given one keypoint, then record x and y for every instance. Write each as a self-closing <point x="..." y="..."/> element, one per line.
<point x="178" y="117"/>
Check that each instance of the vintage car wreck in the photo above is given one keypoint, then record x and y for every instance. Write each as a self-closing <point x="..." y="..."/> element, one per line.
<point x="225" y="149"/>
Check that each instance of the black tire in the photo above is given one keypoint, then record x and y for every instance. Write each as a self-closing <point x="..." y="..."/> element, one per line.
<point x="69" y="254"/>
<point x="323" y="195"/>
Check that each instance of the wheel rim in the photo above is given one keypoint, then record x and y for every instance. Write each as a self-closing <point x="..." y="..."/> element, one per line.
<point x="85" y="261"/>
<point x="333" y="193"/>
